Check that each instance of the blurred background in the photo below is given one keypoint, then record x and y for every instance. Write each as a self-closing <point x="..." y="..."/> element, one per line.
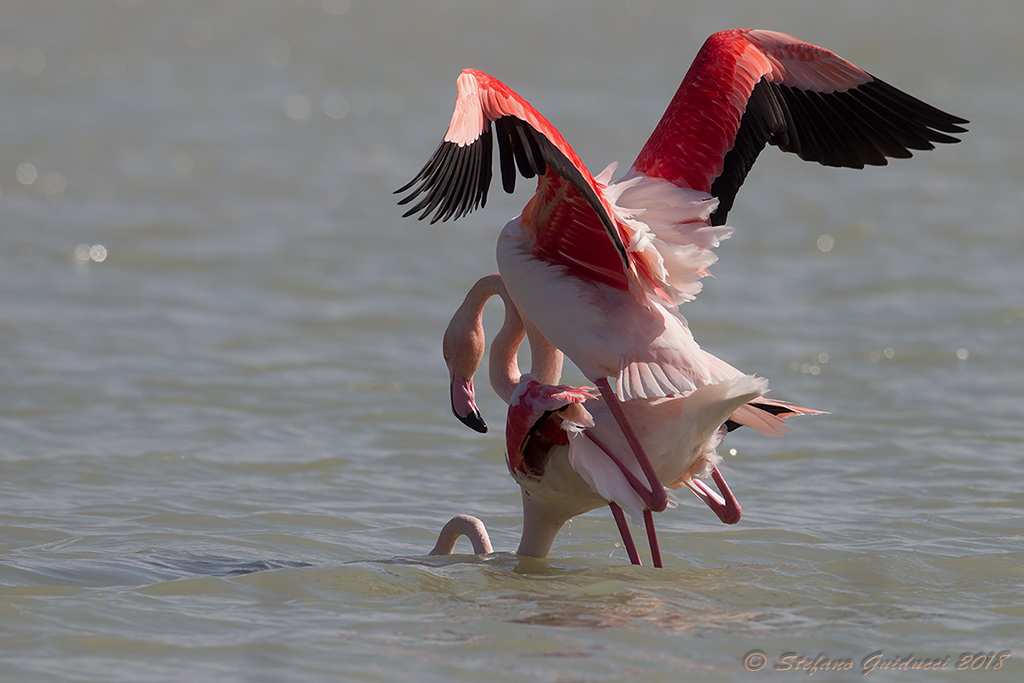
<point x="225" y="437"/>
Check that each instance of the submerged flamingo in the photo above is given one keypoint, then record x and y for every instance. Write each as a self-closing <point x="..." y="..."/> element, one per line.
<point x="599" y="267"/>
<point x="561" y="441"/>
<point x="463" y="525"/>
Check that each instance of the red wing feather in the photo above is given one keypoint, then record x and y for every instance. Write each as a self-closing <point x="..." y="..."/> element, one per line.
<point x="528" y="432"/>
<point x="747" y="88"/>
<point x="575" y="227"/>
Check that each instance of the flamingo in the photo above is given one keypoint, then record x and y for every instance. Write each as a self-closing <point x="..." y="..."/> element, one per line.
<point x="463" y="525"/>
<point x="599" y="268"/>
<point x="552" y="492"/>
<point x="560" y="440"/>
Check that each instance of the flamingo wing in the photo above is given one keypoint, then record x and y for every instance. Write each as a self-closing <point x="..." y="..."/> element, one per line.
<point x="747" y="88"/>
<point x="569" y="200"/>
<point x="532" y="404"/>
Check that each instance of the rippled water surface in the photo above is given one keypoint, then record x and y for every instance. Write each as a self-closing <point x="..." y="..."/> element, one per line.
<point x="225" y="443"/>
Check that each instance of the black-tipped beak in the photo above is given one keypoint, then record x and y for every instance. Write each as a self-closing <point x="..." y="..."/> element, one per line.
<point x="464" y="403"/>
<point x="474" y="421"/>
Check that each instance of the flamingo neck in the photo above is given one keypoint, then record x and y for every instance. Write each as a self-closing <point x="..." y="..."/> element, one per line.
<point x="463" y="525"/>
<point x="545" y="359"/>
<point x="503" y="363"/>
<point x="539" y="528"/>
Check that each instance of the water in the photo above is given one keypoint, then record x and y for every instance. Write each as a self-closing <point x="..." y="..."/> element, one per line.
<point x="225" y="445"/>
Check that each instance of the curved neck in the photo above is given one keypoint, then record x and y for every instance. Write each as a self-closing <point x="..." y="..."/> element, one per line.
<point x="503" y="363"/>
<point x="545" y="359"/>
<point x="463" y="525"/>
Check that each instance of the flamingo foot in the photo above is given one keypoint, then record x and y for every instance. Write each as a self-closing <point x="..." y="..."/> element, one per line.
<point x="652" y="538"/>
<point x="725" y="506"/>
<point x="627" y="538"/>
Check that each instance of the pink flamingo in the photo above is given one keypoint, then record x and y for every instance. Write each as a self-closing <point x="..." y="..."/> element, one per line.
<point x="597" y="267"/>
<point x="463" y="525"/>
<point x="561" y="441"/>
<point x="552" y="491"/>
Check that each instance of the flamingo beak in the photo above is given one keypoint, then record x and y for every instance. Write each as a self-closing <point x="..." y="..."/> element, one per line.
<point x="464" y="402"/>
<point x="725" y="506"/>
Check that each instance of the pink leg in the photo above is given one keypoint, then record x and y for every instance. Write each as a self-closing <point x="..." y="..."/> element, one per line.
<point x="637" y="485"/>
<point x="725" y="506"/>
<point x="656" y="499"/>
<point x="627" y="538"/>
<point x="652" y="538"/>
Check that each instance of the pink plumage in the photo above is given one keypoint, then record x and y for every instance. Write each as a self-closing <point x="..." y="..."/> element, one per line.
<point x="598" y="267"/>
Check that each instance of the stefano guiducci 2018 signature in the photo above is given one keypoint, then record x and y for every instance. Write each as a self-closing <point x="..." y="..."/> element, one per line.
<point x="756" y="660"/>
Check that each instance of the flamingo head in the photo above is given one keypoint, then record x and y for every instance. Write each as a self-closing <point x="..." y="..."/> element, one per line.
<point x="463" y="350"/>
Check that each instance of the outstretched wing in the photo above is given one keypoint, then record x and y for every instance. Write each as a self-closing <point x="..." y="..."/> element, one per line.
<point x="583" y="236"/>
<point x="747" y="88"/>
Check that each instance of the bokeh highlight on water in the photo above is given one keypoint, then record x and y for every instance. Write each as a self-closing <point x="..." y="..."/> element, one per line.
<point x="225" y="442"/>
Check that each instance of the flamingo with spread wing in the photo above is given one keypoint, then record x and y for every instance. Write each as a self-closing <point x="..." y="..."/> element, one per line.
<point x="599" y="267"/>
<point x="563" y="446"/>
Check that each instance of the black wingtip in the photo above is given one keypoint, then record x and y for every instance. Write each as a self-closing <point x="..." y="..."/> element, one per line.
<point x="453" y="182"/>
<point x="862" y="126"/>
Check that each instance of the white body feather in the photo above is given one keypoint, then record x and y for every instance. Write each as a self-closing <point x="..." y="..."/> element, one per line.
<point x="680" y="436"/>
<point x="646" y="346"/>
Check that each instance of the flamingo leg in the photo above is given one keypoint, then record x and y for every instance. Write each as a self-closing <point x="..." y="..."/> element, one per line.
<point x="725" y="506"/>
<point x="656" y="498"/>
<point x="637" y="485"/>
<point x="627" y="538"/>
<point x="652" y="538"/>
